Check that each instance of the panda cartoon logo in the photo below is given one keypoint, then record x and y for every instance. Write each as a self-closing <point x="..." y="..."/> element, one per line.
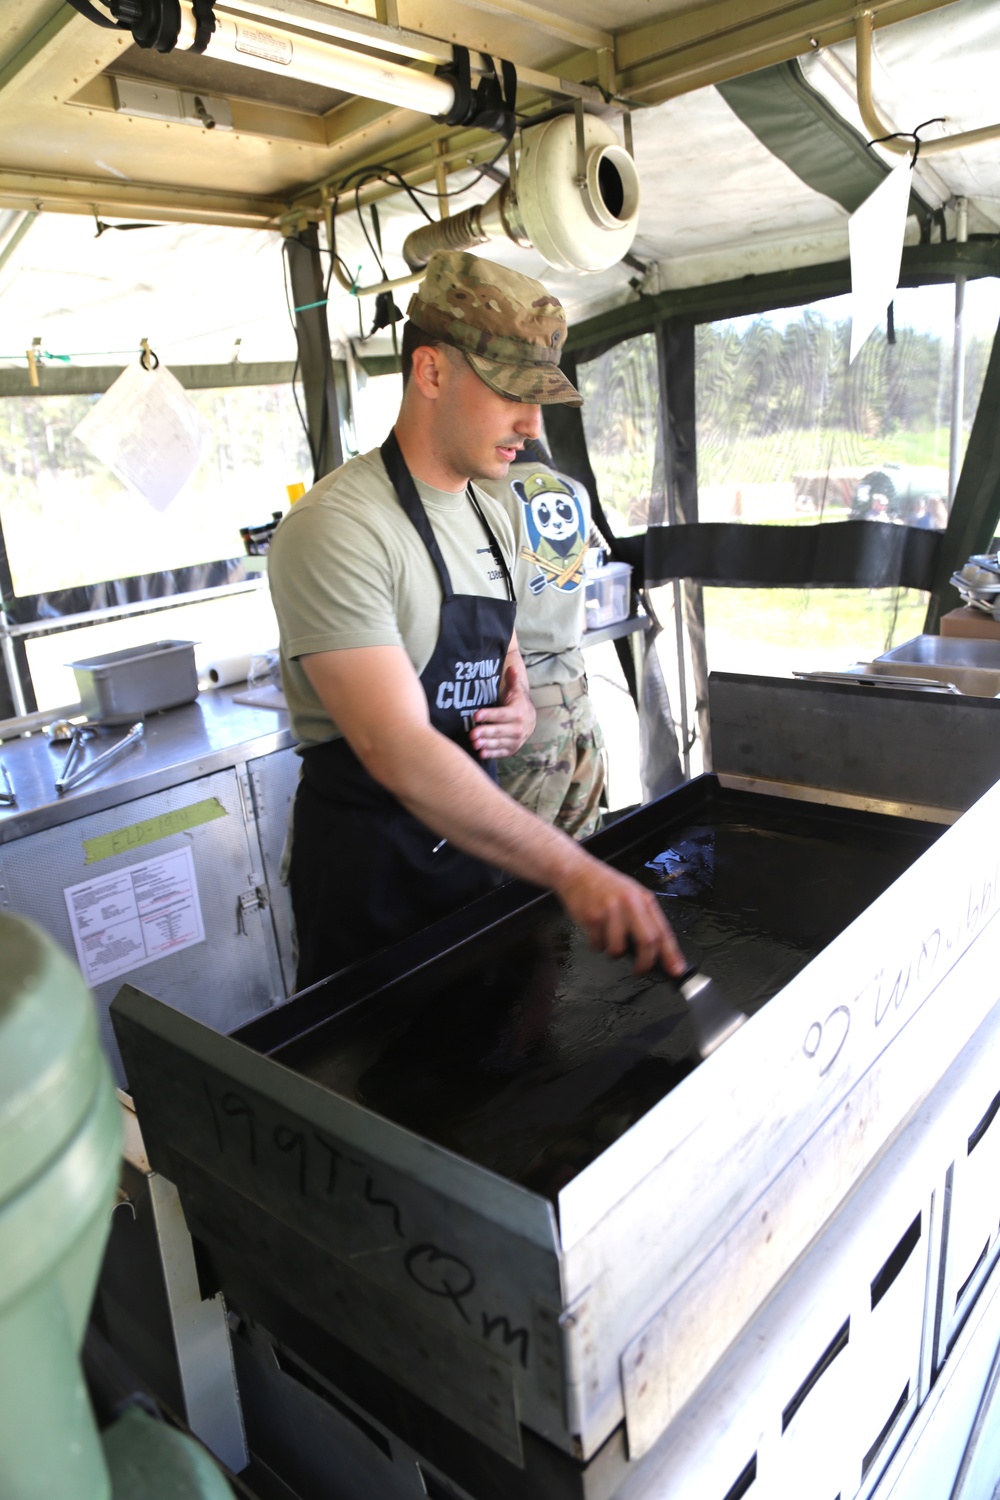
<point x="557" y="531"/>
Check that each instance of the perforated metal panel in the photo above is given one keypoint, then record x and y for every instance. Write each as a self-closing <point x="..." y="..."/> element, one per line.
<point x="972" y="1200"/>
<point x="816" y="1395"/>
<point x="820" y="1389"/>
<point x="273" y="779"/>
<point x="222" y="981"/>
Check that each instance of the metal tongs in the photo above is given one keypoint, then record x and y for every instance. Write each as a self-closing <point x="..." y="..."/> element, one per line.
<point x="882" y="679"/>
<point x="73" y="774"/>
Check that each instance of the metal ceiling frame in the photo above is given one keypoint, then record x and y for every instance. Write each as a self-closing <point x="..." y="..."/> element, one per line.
<point x="348" y="26"/>
<point x="718" y="41"/>
<point x="51" y="192"/>
<point x="869" y="114"/>
<point x="679" y="52"/>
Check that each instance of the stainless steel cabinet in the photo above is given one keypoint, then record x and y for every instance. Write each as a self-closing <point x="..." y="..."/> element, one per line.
<point x="224" y="980"/>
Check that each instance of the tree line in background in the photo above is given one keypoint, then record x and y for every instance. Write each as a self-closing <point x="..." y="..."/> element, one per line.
<point x="37" y="434"/>
<point x="68" y="521"/>
<point x="774" y="401"/>
<point x="762" y="380"/>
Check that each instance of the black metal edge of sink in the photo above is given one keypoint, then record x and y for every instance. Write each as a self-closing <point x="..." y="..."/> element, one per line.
<point x="291" y="1022"/>
<point x="301" y="1013"/>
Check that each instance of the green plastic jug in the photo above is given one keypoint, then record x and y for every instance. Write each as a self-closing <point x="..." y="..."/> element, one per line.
<point x="60" y="1142"/>
<point x="59" y="1149"/>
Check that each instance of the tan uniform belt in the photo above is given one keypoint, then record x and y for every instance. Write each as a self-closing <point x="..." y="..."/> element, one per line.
<point x="556" y="693"/>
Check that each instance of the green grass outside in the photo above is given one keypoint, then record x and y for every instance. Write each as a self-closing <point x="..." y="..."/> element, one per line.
<point x="808" y="628"/>
<point x="626" y="477"/>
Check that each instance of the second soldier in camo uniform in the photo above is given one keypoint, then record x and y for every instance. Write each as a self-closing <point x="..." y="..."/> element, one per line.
<point x="559" y="772"/>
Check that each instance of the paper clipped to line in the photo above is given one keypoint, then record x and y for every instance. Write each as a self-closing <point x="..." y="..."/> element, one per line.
<point x="148" y="431"/>
<point x="876" y="231"/>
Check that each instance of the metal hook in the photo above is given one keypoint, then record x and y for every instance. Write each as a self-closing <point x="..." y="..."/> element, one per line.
<point x="863" y="32"/>
<point x="627" y="131"/>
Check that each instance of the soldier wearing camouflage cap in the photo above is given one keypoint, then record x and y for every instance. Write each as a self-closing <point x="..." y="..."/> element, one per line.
<point x="510" y="329"/>
<point x="391" y="582"/>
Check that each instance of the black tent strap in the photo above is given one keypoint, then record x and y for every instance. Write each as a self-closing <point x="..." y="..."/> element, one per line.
<point x="834" y="554"/>
<point x="744" y="295"/>
<point x="975" y="510"/>
<point x="114" y="593"/>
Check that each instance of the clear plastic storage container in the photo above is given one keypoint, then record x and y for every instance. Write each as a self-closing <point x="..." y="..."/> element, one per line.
<point x="608" y="589"/>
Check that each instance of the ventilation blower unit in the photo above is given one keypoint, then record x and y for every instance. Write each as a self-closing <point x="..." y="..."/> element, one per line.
<point x="575" y="200"/>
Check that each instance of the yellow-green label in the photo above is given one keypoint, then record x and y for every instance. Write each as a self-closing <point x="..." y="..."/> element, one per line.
<point x="136" y="835"/>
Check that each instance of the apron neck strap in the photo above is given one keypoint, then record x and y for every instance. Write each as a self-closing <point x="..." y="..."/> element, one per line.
<point x="495" y="547"/>
<point x="409" y="499"/>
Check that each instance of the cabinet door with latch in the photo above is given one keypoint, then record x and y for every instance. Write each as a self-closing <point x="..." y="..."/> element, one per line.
<point x="165" y="892"/>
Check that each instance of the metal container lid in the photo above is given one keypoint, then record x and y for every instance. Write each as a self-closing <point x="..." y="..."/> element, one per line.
<point x="50" y="1058"/>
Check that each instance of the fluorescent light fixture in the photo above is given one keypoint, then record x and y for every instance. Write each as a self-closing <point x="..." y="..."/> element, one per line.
<point x="271" y="49"/>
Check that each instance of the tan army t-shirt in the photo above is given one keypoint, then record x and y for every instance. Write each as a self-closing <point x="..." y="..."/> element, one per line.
<point x="551" y="516"/>
<point x="347" y="569"/>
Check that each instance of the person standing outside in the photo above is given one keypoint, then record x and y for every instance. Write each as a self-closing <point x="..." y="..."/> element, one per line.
<point x="558" y="773"/>
<point x="392" y="588"/>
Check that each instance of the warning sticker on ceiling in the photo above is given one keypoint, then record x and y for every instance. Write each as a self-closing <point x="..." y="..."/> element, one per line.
<point x="256" y="42"/>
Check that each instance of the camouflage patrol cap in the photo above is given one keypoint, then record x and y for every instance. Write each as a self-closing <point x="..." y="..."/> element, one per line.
<point x="510" y="329"/>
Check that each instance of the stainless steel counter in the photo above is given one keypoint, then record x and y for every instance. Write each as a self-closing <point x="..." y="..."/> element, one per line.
<point x="215" y="779"/>
<point x="209" y="735"/>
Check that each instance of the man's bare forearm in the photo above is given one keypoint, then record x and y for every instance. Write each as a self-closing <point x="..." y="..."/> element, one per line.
<point x="376" y="698"/>
<point x="441" y="785"/>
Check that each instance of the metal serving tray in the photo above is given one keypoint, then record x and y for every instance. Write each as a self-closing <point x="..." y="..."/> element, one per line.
<point x="972" y="665"/>
<point x="487" y="1165"/>
<point x="125" y="685"/>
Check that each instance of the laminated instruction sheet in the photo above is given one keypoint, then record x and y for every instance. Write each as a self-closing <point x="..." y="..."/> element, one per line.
<point x="130" y="917"/>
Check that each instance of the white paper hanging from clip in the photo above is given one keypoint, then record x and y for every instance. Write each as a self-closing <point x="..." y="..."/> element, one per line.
<point x="876" y="231"/>
<point x="148" y="431"/>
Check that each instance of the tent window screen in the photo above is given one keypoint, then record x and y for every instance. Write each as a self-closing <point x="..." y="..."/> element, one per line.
<point x="68" y="521"/>
<point x="788" y="433"/>
<point x="374" y="406"/>
<point x="621" y="423"/>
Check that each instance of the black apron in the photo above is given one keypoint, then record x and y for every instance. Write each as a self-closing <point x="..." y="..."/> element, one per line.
<point x="364" y="871"/>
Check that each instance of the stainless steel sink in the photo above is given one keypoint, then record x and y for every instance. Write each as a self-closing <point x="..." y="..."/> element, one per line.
<point x="972" y="666"/>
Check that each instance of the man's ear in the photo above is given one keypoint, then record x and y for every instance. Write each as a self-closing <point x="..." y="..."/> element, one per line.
<point x="428" y="370"/>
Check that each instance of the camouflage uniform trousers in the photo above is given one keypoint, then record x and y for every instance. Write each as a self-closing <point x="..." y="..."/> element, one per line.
<point x="559" y="772"/>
